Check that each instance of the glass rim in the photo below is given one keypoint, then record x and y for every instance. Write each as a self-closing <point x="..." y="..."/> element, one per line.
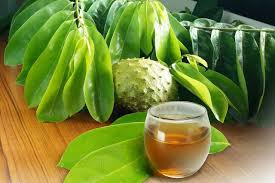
<point x="199" y="115"/>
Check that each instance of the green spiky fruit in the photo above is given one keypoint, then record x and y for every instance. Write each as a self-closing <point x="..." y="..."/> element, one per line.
<point x="142" y="83"/>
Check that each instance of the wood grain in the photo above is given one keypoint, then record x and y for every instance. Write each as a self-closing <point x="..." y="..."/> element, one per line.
<point x="29" y="150"/>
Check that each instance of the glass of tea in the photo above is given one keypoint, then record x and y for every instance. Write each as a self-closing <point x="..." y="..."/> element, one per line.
<point x="177" y="138"/>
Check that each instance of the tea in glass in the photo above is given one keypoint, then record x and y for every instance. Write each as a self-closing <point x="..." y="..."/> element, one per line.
<point x="177" y="138"/>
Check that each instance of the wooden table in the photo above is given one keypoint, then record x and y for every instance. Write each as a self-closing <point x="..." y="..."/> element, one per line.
<point x="29" y="150"/>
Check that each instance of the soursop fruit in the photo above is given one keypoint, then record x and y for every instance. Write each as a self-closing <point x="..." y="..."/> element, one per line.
<point x="142" y="83"/>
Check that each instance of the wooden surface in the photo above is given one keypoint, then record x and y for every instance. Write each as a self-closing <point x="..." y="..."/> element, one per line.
<point x="29" y="150"/>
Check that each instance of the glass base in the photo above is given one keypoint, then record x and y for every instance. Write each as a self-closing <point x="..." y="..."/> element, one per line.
<point x="176" y="174"/>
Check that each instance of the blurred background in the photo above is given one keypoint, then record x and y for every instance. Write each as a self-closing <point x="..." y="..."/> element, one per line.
<point x="262" y="10"/>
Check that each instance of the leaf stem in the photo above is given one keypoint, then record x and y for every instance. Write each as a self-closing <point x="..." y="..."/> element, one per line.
<point x="234" y="29"/>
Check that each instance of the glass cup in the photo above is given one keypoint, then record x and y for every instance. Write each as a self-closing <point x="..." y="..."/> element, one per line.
<point x="177" y="138"/>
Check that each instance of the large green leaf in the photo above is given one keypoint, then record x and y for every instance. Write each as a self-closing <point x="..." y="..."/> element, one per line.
<point x="267" y="50"/>
<point x="199" y="85"/>
<point x="42" y="70"/>
<point x="51" y="107"/>
<point x="96" y="139"/>
<point x="125" y="42"/>
<point x="166" y="43"/>
<point x="40" y="41"/>
<point x="98" y="86"/>
<point x="73" y="88"/>
<point x="17" y="45"/>
<point x="248" y="56"/>
<point x="201" y="40"/>
<point x="224" y="51"/>
<point x="109" y="163"/>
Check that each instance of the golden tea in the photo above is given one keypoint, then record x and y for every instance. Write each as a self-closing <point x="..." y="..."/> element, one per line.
<point x="177" y="149"/>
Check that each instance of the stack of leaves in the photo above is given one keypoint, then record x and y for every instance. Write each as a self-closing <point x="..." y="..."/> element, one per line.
<point x="103" y="156"/>
<point x="215" y="90"/>
<point x="135" y="29"/>
<point x="65" y="57"/>
<point x="244" y="54"/>
<point x="66" y="62"/>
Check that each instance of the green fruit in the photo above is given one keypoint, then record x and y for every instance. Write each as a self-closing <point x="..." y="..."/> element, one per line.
<point x="141" y="83"/>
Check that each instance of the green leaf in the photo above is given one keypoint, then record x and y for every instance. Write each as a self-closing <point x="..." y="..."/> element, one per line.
<point x="184" y="16"/>
<point x="194" y="60"/>
<point x="201" y="40"/>
<point x="224" y="51"/>
<point x="235" y="96"/>
<point x="114" y="21"/>
<point x="136" y="171"/>
<point x="133" y="117"/>
<point x="73" y="88"/>
<point x="248" y="56"/>
<point x="25" y="12"/>
<point x="87" y="4"/>
<point x="166" y="43"/>
<point x="42" y="70"/>
<point x="218" y="141"/>
<point x="51" y="107"/>
<point x="98" y="86"/>
<point x="96" y="139"/>
<point x="125" y="42"/>
<point x="182" y="34"/>
<point x="23" y="6"/>
<point x="113" y="161"/>
<point x="199" y="85"/>
<point x="146" y="26"/>
<point x="39" y="42"/>
<point x="267" y="49"/>
<point x="17" y="45"/>
<point x="112" y="13"/>
<point x="99" y="11"/>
